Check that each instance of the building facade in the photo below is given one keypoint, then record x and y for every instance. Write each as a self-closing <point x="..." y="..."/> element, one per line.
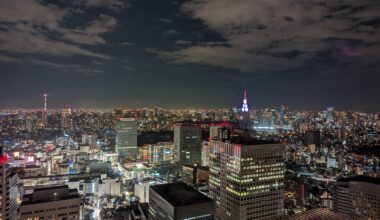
<point x="246" y="179"/>
<point x="8" y="190"/>
<point x="358" y="197"/>
<point x="188" y="144"/>
<point x="126" y="138"/>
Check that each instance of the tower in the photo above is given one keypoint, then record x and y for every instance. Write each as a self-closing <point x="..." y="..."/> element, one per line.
<point x="44" y="113"/>
<point x="245" y="113"/>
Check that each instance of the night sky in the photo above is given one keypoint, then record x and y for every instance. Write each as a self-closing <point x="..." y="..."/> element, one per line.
<point x="197" y="53"/>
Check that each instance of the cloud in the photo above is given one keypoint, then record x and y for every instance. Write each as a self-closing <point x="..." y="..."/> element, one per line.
<point x="111" y="4"/>
<point x="65" y="67"/>
<point x="126" y="43"/>
<point x="165" y="20"/>
<point x="92" y="32"/>
<point x="128" y="67"/>
<point x="264" y="36"/>
<point x="170" y="32"/>
<point x="33" y="27"/>
<point x="183" y="42"/>
<point x="5" y="58"/>
<point x="76" y="68"/>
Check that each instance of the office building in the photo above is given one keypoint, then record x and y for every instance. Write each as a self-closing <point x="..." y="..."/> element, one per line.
<point x="246" y="178"/>
<point x="195" y="175"/>
<point x="53" y="202"/>
<point x="188" y="144"/>
<point x="110" y="187"/>
<point x="8" y="190"/>
<point x="89" y="139"/>
<point x="142" y="191"/>
<point x="178" y="201"/>
<point x="313" y="137"/>
<point x="205" y="152"/>
<point x="358" y="197"/>
<point x="157" y="153"/>
<point x="126" y="138"/>
<point x="66" y="121"/>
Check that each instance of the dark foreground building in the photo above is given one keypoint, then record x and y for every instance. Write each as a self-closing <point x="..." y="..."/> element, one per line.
<point x="319" y="214"/>
<point x="178" y="201"/>
<point x="358" y="197"/>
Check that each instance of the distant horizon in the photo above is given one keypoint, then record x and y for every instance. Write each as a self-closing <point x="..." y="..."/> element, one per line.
<point x="180" y="109"/>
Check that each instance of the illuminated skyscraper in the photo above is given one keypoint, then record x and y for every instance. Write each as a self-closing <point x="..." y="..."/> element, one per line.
<point x="188" y="144"/>
<point x="8" y="190"/>
<point x="246" y="178"/>
<point x="126" y="138"/>
<point x="66" y="117"/>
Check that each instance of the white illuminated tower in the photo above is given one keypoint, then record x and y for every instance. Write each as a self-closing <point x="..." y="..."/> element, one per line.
<point x="44" y="114"/>
<point x="245" y="117"/>
<point x="244" y="107"/>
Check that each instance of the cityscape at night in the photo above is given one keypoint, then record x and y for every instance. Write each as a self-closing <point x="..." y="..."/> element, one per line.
<point x="189" y="110"/>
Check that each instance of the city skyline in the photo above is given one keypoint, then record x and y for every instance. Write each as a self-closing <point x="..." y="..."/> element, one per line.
<point x="178" y="54"/>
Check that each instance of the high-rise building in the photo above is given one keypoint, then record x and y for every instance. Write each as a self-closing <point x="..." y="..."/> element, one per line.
<point x="8" y="190"/>
<point x="188" y="144"/>
<point x="246" y="178"/>
<point x="178" y="201"/>
<point x="53" y="202"/>
<point x="126" y="138"/>
<point x="66" y="117"/>
<point x="313" y="137"/>
<point x="358" y="197"/>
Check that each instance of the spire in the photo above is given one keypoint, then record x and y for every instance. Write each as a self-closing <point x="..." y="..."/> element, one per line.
<point x="244" y="107"/>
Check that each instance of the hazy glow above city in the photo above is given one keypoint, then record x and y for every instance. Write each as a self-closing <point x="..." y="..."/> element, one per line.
<point x="190" y="54"/>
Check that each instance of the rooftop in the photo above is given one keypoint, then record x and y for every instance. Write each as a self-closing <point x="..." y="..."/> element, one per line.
<point x="367" y="179"/>
<point x="319" y="214"/>
<point x="49" y="194"/>
<point x="180" y="194"/>
<point x="250" y="141"/>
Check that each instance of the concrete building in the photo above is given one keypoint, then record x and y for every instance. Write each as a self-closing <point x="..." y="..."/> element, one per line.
<point x="246" y="178"/>
<point x="126" y="138"/>
<point x="358" y="197"/>
<point x="188" y="144"/>
<point x="157" y="153"/>
<point x="8" y="190"/>
<point x="89" y="139"/>
<point x="110" y="187"/>
<point x="205" y="152"/>
<point x="313" y="137"/>
<point x="142" y="191"/>
<point x="195" y="175"/>
<point x="178" y="201"/>
<point x="54" y="202"/>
